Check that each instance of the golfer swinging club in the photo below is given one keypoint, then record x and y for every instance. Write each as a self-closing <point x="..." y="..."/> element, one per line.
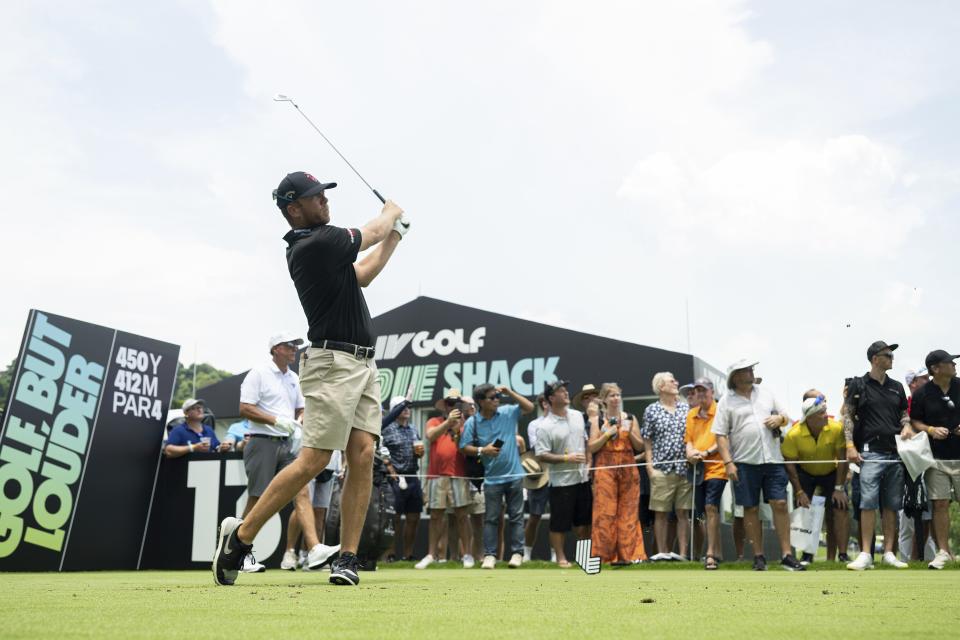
<point x="338" y="375"/>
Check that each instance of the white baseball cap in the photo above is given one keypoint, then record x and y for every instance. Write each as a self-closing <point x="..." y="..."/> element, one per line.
<point x="189" y="403"/>
<point x="394" y="401"/>
<point x="285" y="336"/>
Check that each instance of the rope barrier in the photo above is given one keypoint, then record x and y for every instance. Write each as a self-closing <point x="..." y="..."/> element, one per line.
<point x="638" y="464"/>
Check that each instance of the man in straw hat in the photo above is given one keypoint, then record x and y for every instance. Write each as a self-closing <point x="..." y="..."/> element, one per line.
<point x="747" y="427"/>
<point x="586" y="397"/>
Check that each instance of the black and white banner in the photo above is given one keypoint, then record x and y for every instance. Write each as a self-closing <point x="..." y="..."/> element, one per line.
<point x="193" y="494"/>
<point x="80" y="444"/>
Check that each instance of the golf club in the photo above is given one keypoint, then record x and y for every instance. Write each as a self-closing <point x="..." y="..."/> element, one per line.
<point x="282" y="98"/>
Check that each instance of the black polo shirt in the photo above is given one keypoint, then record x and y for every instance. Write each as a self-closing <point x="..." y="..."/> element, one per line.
<point x="879" y="411"/>
<point x="320" y="260"/>
<point x="929" y="407"/>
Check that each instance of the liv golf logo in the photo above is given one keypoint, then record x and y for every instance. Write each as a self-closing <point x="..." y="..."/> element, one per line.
<point x="590" y="564"/>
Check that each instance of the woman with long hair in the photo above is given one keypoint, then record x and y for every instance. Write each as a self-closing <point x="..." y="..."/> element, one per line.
<point x="617" y="536"/>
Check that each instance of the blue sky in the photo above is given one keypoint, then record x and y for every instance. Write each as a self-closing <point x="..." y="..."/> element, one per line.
<point x="787" y="168"/>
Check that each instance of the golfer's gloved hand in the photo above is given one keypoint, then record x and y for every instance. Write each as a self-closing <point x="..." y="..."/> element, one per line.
<point x="287" y="425"/>
<point x="401" y="226"/>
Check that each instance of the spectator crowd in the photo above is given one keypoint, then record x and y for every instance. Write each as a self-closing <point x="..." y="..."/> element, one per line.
<point x="646" y="487"/>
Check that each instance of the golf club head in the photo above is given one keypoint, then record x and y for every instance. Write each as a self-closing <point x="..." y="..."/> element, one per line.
<point x="282" y="98"/>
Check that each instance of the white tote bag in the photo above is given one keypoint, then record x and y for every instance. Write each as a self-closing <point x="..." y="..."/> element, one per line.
<point x="805" y="525"/>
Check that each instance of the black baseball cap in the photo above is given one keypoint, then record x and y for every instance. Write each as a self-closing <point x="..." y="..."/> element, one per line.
<point x="879" y="346"/>
<point x="938" y="357"/>
<point x="298" y="184"/>
<point x="550" y="388"/>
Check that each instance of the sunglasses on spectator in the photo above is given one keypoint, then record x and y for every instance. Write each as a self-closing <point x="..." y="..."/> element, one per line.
<point x="949" y="402"/>
<point x="495" y="396"/>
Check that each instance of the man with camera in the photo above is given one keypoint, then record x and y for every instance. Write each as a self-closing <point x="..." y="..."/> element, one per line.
<point x="494" y="428"/>
<point x="447" y="486"/>
<point x="561" y="443"/>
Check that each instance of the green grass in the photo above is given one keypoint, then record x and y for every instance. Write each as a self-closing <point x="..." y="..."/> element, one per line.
<point x="531" y="602"/>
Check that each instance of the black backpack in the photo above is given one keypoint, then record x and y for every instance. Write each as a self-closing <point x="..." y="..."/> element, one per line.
<point x="473" y="466"/>
<point x="857" y="390"/>
<point x="914" y="496"/>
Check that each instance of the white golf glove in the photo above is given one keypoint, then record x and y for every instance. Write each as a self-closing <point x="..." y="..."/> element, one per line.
<point x="401" y="226"/>
<point x="296" y="440"/>
<point x="287" y="425"/>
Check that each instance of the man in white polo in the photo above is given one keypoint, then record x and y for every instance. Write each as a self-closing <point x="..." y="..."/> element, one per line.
<point x="271" y="400"/>
<point x="747" y="426"/>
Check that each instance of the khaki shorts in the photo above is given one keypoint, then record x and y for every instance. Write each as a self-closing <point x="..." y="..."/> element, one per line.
<point x="446" y="493"/>
<point x="669" y="491"/>
<point x="341" y="393"/>
<point x="941" y="478"/>
<point x="479" y="504"/>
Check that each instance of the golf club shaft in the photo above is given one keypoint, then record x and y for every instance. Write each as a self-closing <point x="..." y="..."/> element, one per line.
<point x="332" y="146"/>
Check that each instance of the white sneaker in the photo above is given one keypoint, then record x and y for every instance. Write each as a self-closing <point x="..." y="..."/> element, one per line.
<point x="426" y="562"/>
<point x="468" y="562"/>
<point x="515" y="561"/>
<point x="553" y="556"/>
<point x="302" y="561"/>
<point x="891" y="560"/>
<point x="676" y="557"/>
<point x="657" y="557"/>
<point x="289" y="562"/>
<point x="940" y="560"/>
<point x="489" y="562"/>
<point x="527" y="551"/>
<point x="250" y="565"/>
<point x="864" y="561"/>
<point x="320" y="555"/>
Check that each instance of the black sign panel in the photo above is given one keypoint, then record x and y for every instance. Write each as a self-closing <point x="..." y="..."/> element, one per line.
<point x="432" y="346"/>
<point x="193" y="494"/>
<point x="79" y="445"/>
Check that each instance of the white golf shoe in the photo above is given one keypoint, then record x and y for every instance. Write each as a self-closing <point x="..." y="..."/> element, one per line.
<point x="250" y="565"/>
<point x="425" y="562"/>
<point x="940" y="560"/>
<point x="891" y="560"/>
<point x="864" y="561"/>
<point x="320" y="555"/>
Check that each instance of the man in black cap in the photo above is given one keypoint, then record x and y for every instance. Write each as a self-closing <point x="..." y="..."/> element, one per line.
<point x="338" y="376"/>
<point x="935" y="408"/>
<point x="874" y="414"/>
<point x="561" y="443"/>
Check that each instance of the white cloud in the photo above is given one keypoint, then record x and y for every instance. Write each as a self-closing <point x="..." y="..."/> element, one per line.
<point x="645" y="151"/>
<point x="818" y="197"/>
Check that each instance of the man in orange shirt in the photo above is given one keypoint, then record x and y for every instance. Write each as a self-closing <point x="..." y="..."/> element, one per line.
<point x="702" y="448"/>
<point x="446" y="486"/>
